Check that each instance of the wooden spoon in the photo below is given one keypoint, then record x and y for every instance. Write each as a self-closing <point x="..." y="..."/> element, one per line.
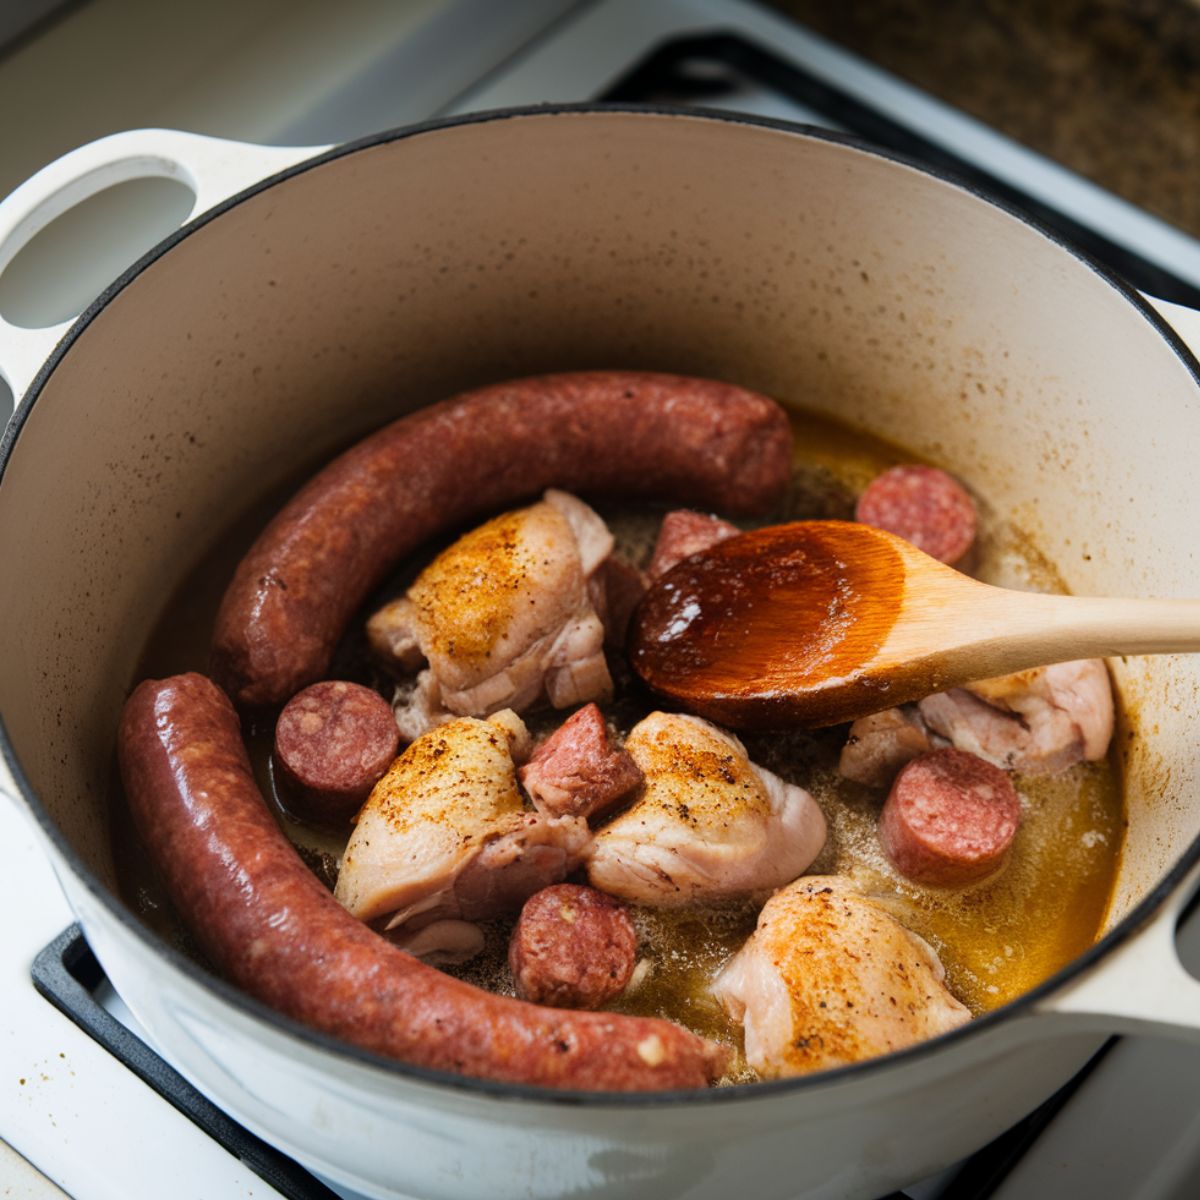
<point x="823" y="621"/>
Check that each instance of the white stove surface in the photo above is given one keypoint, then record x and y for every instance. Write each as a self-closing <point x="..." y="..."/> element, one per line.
<point x="66" y="1105"/>
<point x="305" y="72"/>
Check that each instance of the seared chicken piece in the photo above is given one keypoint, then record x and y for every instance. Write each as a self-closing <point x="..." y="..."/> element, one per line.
<point x="708" y="824"/>
<point x="879" y="745"/>
<point x="829" y="977"/>
<point x="1038" y="722"/>
<point x="503" y="617"/>
<point x="445" y="834"/>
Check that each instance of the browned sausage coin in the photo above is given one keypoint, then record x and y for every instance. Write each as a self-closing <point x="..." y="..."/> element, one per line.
<point x="924" y="506"/>
<point x="949" y="819"/>
<point x="684" y="533"/>
<point x="333" y="743"/>
<point x="573" y="947"/>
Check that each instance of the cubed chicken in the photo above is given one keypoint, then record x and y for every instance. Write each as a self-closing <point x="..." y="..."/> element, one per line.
<point x="445" y="835"/>
<point x="708" y="824"/>
<point x="828" y="978"/>
<point x="503" y="618"/>
<point x="879" y="745"/>
<point x="1036" y="722"/>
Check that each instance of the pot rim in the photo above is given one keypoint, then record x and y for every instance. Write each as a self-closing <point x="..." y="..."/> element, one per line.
<point x="1025" y="1004"/>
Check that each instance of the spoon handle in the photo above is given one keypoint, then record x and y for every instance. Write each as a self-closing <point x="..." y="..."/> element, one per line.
<point x="1015" y="630"/>
<point x="1121" y="626"/>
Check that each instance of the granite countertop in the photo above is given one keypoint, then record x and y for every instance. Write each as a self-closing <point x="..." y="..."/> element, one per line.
<point x="1109" y="88"/>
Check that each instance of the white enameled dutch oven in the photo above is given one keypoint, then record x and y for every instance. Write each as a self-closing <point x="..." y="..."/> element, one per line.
<point x="360" y="282"/>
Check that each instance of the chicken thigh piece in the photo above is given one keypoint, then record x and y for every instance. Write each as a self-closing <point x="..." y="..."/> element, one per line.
<point x="445" y="835"/>
<point x="829" y="977"/>
<point x="502" y="617"/>
<point x="1037" y="722"/>
<point x="709" y="825"/>
<point x="878" y="745"/>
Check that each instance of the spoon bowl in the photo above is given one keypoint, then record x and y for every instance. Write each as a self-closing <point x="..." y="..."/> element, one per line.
<point x="818" y="622"/>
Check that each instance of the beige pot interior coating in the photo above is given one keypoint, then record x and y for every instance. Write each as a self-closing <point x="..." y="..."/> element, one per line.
<point x="402" y="272"/>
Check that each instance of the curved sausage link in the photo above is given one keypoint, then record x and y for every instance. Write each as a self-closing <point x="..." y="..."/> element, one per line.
<point x="636" y="434"/>
<point x="267" y="924"/>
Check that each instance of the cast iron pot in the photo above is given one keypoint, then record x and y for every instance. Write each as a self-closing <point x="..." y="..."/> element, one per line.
<point x="360" y="282"/>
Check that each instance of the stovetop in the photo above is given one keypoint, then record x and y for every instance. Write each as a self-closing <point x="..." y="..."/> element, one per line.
<point x="82" y="1097"/>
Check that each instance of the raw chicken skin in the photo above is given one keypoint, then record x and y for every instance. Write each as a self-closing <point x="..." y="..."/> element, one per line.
<point x="709" y="824"/>
<point x="445" y="834"/>
<point x="444" y="943"/>
<point x="829" y="977"/>
<point x="503" y="617"/>
<point x="1037" y="722"/>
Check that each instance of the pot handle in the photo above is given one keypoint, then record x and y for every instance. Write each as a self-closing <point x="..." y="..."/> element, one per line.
<point x="1140" y="986"/>
<point x="213" y="168"/>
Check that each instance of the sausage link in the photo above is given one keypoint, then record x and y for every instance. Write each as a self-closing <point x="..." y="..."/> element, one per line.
<point x="637" y="434"/>
<point x="269" y="925"/>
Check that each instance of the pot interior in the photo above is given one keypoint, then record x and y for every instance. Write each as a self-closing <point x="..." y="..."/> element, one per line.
<point x="405" y="270"/>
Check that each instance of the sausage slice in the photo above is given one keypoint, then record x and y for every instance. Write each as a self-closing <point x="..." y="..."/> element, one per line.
<point x="684" y="533"/>
<point x="577" y="771"/>
<point x="333" y="743"/>
<point x="573" y="947"/>
<point x="616" y="588"/>
<point x="924" y="506"/>
<point x="949" y="819"/>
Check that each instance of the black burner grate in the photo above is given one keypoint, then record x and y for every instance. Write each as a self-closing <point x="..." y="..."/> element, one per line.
<point x="69" y="975"/>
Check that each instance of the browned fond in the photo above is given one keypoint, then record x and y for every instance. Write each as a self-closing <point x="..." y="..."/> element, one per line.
<point x="267" y="924"/>
<point x="635" y="434"/>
